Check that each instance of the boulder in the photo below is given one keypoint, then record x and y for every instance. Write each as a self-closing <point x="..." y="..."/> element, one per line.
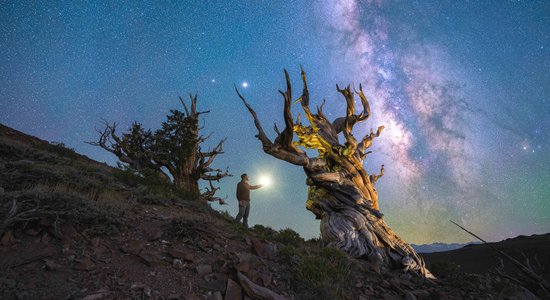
<point x="68" y="231"/>
<point x="409" y="296"/>
<point x="257" y="247"/>
<point x="213" y="296"/>
<point x="7" y="238"/>
<point x="153" y="236"/>
<point x="266" y="277"/>
<point x="33" y="231"/>
<point x="153" y="260"/>
<point x="178" y="264"/>
<point x="45" y="239"/>
<point x="181" y="254"/>
<point x="101" y="294"/>
<point x="133" y="246"/>
<point x="51" y="265"/>
<point x="204" y="269"/>
<point x="390" y="296"/>
<point x="84" y="264"/>
<point x="212" y="285"/>
<point x="233" y="291"/>
<point x="422" y="294"/>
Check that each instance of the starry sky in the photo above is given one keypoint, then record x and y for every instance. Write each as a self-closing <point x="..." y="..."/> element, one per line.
<point x="461" y="86"/>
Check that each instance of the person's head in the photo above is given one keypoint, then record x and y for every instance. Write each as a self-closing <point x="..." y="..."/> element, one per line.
<point x="244" y="177"/>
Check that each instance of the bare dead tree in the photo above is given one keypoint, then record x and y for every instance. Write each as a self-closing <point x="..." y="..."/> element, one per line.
<point x="173" y="152"/>
<point x="341" y="193"/>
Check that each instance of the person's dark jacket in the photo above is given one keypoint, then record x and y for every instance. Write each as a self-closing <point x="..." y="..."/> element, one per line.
<point x="243" y="190"/>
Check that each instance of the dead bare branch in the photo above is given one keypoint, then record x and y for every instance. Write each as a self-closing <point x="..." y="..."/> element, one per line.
<point x="529" y="277"/>
<point x="276" y="150"/>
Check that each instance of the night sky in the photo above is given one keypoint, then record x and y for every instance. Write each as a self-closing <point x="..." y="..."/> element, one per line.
<point x="462" y="88"/>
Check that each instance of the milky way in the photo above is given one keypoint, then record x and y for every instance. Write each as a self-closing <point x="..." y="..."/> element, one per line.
<point x="461" y="88"/>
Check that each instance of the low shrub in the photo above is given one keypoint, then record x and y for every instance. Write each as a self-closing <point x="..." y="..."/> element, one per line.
<point x="59" y="149"/>
<point x="284" y="236"/>
<point x="288" y="254"/>
<point x="445" y="269"/>
<point x="324" y="274"/>
<point x="85" y="213"/>
<point x="288" y="237"/>
<point x="184" y="228"/>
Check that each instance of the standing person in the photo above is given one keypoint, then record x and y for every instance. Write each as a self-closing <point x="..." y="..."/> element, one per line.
<point x="243" y="195"/>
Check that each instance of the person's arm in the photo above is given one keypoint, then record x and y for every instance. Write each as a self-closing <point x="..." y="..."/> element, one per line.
<point x="255" y="187"/>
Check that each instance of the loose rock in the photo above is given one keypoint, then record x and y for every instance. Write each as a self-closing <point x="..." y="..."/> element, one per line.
<point x="204" y="269"/>
<point x="185" y="255"/>
<point x="409" y="296"/>
<point x="233" y="291"/>
<point x="51" y="265"/>
<point x="7" y="238"/>
<point x="68" y="231"/>
<point x="152" y="259"/>
<point x="84" y="264"/>
<point x="133" y="246"/>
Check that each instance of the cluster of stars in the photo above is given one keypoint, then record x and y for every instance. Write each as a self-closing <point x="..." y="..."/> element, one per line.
<point x="65" y="66"/>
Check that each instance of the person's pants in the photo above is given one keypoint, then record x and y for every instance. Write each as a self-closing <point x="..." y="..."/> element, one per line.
<point x="244" y="210"/>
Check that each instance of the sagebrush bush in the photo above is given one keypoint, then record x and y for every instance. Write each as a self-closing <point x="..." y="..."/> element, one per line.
<point x="185" y="228"/>
<point x="284" y="236"/>
<point x="288" y="253"/>
<point x="85" y="213"/>
<point x="445" y="269"/>
<point x="326" y="274"/>
<point x="59" y="149"/>
<point x="288" y="237"/>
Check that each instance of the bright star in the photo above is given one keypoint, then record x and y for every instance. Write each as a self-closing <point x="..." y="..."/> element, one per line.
<point x="245" y="84"/>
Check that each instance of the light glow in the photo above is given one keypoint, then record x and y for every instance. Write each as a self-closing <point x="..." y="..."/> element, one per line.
<point x="265" y="180"/>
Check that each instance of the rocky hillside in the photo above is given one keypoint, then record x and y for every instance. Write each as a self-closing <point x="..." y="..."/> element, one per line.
<point x="73" y="228"/>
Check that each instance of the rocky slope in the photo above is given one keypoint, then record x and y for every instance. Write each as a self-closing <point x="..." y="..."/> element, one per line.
<point x="72" y="228"/>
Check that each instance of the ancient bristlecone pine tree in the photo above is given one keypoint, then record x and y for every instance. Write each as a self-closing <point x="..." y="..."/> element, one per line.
<point x="341" y="193"/>
<point x="172" y="153"/>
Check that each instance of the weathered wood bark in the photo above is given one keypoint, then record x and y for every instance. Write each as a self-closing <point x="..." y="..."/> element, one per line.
<point x="187" y="183"/>
<point x="257" y="292"/>
<point x="341" y="193"/>
<point x="172" y="152"/>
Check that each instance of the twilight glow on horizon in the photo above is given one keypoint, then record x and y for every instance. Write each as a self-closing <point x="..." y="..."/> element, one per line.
<point x="462" y="88"/>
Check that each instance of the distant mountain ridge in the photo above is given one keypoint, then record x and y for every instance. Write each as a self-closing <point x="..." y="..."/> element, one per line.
<point x="439" y="247"/>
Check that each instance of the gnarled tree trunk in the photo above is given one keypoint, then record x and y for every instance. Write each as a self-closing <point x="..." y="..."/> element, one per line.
<point x="341" y="193"/>
<point x="187" y="183"/>
<point x="172" y="152"/>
